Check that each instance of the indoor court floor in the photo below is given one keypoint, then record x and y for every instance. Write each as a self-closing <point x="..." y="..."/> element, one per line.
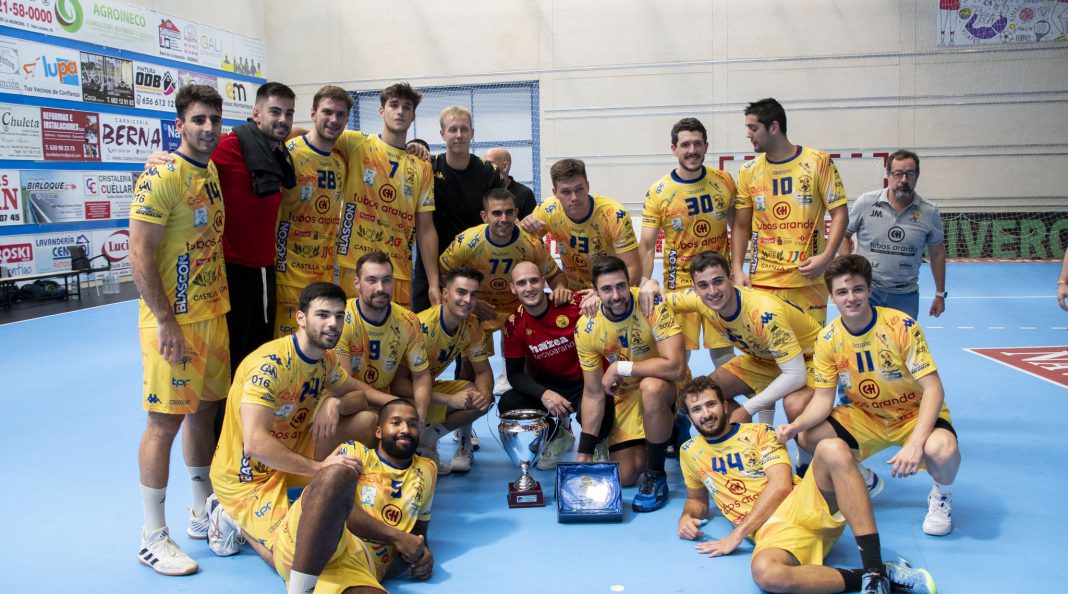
<point x="70" y="387"/>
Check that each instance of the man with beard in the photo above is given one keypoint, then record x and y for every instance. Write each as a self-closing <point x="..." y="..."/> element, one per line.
<point x="645" y="357"/>
<point x="309" y="214"/>
<point x="892" y="226"/>
<point x="268" y="430"/>
<point x="794" y="522"/>
<point x="691" y="205"/>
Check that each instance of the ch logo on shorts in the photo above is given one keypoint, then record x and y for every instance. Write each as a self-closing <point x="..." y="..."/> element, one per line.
<point x="701" y="228"/>
<point x="391" y="515"/>
<point x="781" y="210"/>
<point x="896" y="234"/>
<point x="869" y="389"/>
<point x="387" y="193"/>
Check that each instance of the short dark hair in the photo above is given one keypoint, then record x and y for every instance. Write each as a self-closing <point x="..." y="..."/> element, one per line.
<point x="191" y="94"/>
<point x="604" y="264"/>
<point x="687" y="125"/>
<point x="497" y="194"/>
<point x="846" y="265"/>
<point x="462" y="272"/>
<point x="395" y="402"/>
<point x="696" y="386"/>
<point x="709" y="259"/>
<point x="402" y="91"/>
<point x="900" y="155"/>
<point x="332" y="92"/>
<point x="374" y="257"/>
<point x="328" y="291"/>
<point x="421" y="143"/>
<point x="768" y="111"/>
<point x="274" y="89"/>
<point x="565" y="168"/>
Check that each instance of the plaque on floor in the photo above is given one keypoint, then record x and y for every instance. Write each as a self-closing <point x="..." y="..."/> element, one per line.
<point x="588" y="492"/>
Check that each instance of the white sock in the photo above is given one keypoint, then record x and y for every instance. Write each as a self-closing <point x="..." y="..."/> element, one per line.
<point x="939" y="490"/>
<point x="198" y="476"/>
<point x="302" y="583"/>
<point x="431" y="435"/>
<point x="766" y="416"/>
<point x="804" y="458"/>
<point x="152" y="499"/>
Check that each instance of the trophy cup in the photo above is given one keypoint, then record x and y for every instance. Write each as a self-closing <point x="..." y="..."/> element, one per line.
<point x="519" y="429"/>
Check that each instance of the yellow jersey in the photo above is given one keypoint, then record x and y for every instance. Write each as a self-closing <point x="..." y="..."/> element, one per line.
<point x="764" y="326"/>
<point x="184" y="197"/>
<point x="879" y="366"/>
<point x="789" y="201"/>
<point x="309" y="216"/>
<point x="384" y="189"/>
<point x="378" y="350"/>
<point x="633" y="337"/>
<point x="442" y="348"/>
<point x="693" y="215"/>
<point x="397" y="497"/>
<point x="279" y="376"/>
<point x="733" y="467"/>
<point x="474" y="248"/>
<point x="607" y="229"/>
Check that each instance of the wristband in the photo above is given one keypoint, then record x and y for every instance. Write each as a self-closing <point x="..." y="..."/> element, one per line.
<point x="625" y="368"/>
<point x="587" y="443"/>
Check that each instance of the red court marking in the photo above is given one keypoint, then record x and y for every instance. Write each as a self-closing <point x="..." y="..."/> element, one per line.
<point x="1044" y="362"/>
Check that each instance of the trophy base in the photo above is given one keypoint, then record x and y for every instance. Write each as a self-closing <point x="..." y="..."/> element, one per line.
<point x="532" y="497"/>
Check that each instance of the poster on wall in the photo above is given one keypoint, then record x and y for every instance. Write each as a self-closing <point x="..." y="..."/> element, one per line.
<point x="238" y="97"/>
<point x="114" y="244"/>
<point x="10" y="198"/>
<point x="216" y="48"/>
<point x="49" y="71"/>
<point x="29" y="15"/>
<point x="16" y="254"/>
<point x="10" y="63"/>
<point x="178" y="39"/>
<point x="982" y="22"/>
<point x="21" y="129"/>
<point x="107" y="80"/>
<point x="70" y="135"/>
<point x="249" y="56"/>
<point x="189" y="77"/>
<point x="155" y="87"/>
<point x="108" y="194"/>
<point x="171" y="140"/>
<point x="111" y="24"/>
<point x="51" y="251"/>
<point x="128" y="139"/>
<point x="52" y="196"/>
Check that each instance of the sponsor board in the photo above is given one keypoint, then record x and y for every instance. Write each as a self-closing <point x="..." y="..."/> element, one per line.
<point x="10" y="66"/>
<point x="10" y="197"/>
<point x="127" y="138"/>
<point x="248" y="56"/>
<point x="108" y="194"/>
<point x="1044" y="362"/>
<point x="238" y="97"/>
<point x="106" y="23"/>
<point x="177" y="39"/>
<point x="107" y="80"/>
<point x="171" y="139"/>
<point x="29" y="15"/>
<point x="51" y="251"/>
<point x="52" y="196"/>
<point x="70" y="135"/>
<point x="20" y="127"/>
<point x="114" y="244"/>
<point x="16" y="254"/>
<point x="49" y="71"/>
<point x="215" y="48"/>
<point x="189" y="77"/>
<point x="1006" y="235"/>
<point x="155" y="87"/>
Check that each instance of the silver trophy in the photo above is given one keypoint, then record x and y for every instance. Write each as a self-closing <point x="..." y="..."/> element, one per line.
<point x="519" y="429"/>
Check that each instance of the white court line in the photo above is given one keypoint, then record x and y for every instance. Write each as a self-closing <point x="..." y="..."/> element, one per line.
<point x="65" y="313"/>
<point x="1028" y="328"/>
<point x="1058" y="327"/>
<point x="965" y="327"/>
<point x="995" y="327"/>
<point x="1030" y="373"/>
<point x="1050" y="297"/>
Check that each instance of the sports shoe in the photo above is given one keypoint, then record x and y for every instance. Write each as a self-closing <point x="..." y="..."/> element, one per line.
<point x="502" y="385"/>
<point x="600" y="452"/>
<point x="905" y="578"/>
<point x="874" y="582"/>
<point x="431" y="452"/>
<point x="939" y="521"/>
<point x="162" y="554"/>
<point x="559" y="446"/>
<point x="198" y="525"/>
<point x="875" y="484"/>
<point x="458" y="435"/>
<point x="652" y="492"/>
<point x="224" y="537"/>
<point x="461" y="460"/>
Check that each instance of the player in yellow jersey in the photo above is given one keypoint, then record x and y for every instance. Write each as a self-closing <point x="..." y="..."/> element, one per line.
<point x="583" y="225"/>
<point x="280" y="401"/>
<point x="389" y="198"/>
<point x="691" y="205"/>
<point x="176" y="225"/>
<point x="794" y="522"/>
<point x="881" y="359"/>
<point x="635" y="360"/>
<point x="782" y="197"/>
<point x="381" y="337"/>
<point x="308" y="217"/>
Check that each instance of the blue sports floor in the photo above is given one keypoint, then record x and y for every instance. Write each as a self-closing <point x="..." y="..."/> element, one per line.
<point x="70" y="389"/>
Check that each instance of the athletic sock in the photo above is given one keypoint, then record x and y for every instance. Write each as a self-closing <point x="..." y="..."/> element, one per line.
<point x="431" y="434"/>
<point x="852" y="578"/>
<point x="302" y="583"/>
<point x="201" y="481"/>
<point x="655" y="454"/>
<point x="871" y="554"/>
<point x="152" y="499"/>
<point x="940" y="490"/>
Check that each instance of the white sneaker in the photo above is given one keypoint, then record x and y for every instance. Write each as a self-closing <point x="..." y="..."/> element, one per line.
<point x="502" y="385"/>
<point x="874" y="483"/>
<point x="939" y="521"/>
<point x="162" y="554"/>
<point x="224" y="537"/>
<point x="459" y="435"/>
<point x="431" y="452"/>
<point x="198" y="525"/>
<point x="461" y="460"/>
<point x="556" y="449"/>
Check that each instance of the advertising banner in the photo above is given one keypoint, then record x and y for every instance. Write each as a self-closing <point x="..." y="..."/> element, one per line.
<point x="238" y="97"/>
<point x="155" y="87"/>
<point x="52" y="196"/>
<point x="128" y="139"/>
<point x="10" y="197"/>
<point x="107" y="80"/>
<point x="20" y="126"/>
<point x="16" y="254"/>
<point x="51" y="250"/>
<point x="70" y="135"/>
<point x="49" y="71"/>
<point x="982" y="22"/>
<point x="115" y="245"/>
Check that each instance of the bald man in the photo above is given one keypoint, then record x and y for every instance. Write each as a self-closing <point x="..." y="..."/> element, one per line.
<point x="525" y="201"/>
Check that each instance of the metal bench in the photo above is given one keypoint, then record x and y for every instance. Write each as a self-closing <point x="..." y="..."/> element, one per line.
<point x="79" y="264"/>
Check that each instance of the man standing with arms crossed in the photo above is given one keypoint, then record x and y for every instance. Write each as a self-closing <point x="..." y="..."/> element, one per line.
<point x="782" y="197"/>
<point x="176" y="227"/>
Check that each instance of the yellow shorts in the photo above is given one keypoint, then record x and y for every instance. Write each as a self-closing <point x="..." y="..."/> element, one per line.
<point x="811" y="299"/>
<point x="437" y="412"/>
<point x="287" y="302"/>
<point x="203" y="374"/>
<point x="490" y="328"/>
<point x="629" y="422"/>
<point x="402" y="287"/>
<point x="871" y="434"/>
<point x="802" y="525"/>
<point x="350" y="565"/>
<point x="693" y="324"/>
<point x="379" y="554"/>
<point x="757" y="373"/>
